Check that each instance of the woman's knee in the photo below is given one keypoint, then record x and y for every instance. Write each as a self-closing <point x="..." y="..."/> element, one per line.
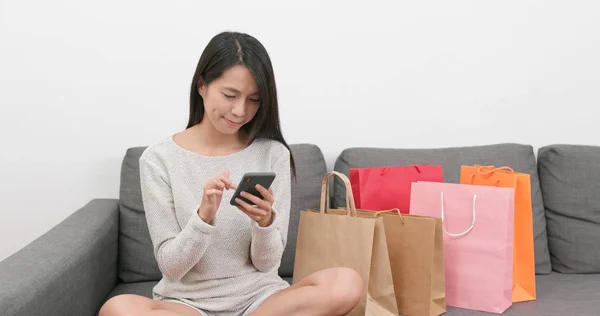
<point x="120" y="305"/>
<point x="346" y="289"/>
<point x="110" y="307"/>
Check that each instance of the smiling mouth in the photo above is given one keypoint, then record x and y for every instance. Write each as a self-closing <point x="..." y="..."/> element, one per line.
<point x="233" y="123"/>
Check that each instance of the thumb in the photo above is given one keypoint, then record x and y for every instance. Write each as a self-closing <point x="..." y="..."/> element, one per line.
<point x="226" y="173"/>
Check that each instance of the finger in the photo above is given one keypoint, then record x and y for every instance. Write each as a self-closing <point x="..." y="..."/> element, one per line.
<point x="226" y="181"/>
<point x="267" y="194"/>
<point x="256" y="218"/>
<point x="250" y="209"/>
<point x="219" y="184"/>
<point x="214" y="192"/>
<point x="252" y="216"/>
<point x="226" y="173"/>
<point x="256" y="200"/>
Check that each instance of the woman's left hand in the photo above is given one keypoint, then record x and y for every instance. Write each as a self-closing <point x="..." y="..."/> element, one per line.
<point x="261" y="211"/>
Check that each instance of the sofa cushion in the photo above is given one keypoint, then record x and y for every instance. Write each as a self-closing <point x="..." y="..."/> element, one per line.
<point x="557" y="295"/>
<point x="136" y="257"/>
<point x="306" y="194"/>
<point x="570" y="180"/>
<point x="520" y="157"/>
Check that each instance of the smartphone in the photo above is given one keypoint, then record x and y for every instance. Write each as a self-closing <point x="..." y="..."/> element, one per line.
<point x="248" y="184"/>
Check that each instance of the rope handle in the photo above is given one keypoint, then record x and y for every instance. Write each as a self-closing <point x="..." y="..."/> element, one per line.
<point x="473" y="178"/>
<point x="472" y="223"/>
<point x="485" y="170"/>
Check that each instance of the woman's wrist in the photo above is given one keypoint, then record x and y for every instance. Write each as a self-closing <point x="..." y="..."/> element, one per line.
<point x="266" y="222"/>
<point x="203" y="216"/>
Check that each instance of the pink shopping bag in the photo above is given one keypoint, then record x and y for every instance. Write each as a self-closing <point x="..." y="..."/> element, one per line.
<point x="478" y="229"/>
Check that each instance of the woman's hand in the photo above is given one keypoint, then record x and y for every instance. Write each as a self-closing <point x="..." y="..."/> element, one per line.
<point x="260" y="210"/>
<point x="211" y="197"/>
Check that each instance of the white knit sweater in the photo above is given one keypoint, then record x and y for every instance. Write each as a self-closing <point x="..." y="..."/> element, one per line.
<point x="225" y="265"/>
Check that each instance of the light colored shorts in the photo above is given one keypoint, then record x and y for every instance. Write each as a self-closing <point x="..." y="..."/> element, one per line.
<point x="249" y="310"/>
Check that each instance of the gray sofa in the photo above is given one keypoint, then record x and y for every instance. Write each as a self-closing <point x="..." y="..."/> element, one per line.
<point x="104" y="249"/>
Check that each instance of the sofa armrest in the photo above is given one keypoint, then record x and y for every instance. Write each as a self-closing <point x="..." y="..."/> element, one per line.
<point x="67" y="271"/>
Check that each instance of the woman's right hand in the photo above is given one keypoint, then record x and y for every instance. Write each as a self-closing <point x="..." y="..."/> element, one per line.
<point x="211" y="198"/>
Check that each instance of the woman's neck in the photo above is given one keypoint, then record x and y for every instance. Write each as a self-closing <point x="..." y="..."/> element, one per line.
<point x="212" y="142"/>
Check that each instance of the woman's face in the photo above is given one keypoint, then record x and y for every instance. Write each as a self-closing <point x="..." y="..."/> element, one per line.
<point x="231" y="100"/>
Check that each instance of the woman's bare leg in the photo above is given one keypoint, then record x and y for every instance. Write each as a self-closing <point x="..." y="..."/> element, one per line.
<point x="134" y="305"/>
<point x="334" y="291"/>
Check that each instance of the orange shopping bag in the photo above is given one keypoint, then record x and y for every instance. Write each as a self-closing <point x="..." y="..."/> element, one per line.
<point x="524" y="261"/>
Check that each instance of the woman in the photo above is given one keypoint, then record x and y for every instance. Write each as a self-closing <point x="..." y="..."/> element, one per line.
<point x="218" y="259"/>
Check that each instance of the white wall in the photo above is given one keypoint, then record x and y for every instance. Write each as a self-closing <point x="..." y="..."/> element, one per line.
<point x="82" y="81"/>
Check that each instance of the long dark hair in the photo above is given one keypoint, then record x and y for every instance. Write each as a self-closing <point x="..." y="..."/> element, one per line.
<point x="224" y="51"/>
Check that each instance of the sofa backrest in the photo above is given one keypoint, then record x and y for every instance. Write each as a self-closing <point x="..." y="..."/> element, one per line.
<point x="136" y="258"/>
<point x="520" y="157"/>
<point x="570" y="181"/>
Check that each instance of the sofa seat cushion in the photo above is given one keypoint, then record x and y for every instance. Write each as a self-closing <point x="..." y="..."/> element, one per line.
<point x="557" y="295"/>
<point x="520" y="157"/>
<point x="570" y="180"/>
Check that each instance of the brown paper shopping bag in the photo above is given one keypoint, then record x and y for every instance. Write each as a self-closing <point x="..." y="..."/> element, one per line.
<point x="415" y="246"/>
<point x="327" y="240"/>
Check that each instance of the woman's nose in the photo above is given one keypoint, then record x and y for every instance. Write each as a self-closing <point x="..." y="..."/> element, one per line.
<point x="239" y="108"/>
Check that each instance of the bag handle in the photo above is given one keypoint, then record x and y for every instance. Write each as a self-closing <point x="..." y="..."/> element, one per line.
<point x="488" y="170"/>
<point x="348" y="185"/>
<point x="351" y="207"/>
<point x="394" y="210"/>
<point x="472" y="223"/>
<point x="328" y="193"/>
<point x="473" y="178"/>
<point x="485" y="170"/>
<point x="385" y="169"/>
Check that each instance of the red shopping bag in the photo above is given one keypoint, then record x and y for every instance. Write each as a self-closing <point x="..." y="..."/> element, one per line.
<point x="385" y="188"/>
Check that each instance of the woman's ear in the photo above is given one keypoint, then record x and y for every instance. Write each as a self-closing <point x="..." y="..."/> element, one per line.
<point x="201" y="87"/>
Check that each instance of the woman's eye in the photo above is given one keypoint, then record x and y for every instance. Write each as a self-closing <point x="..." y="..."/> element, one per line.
<point x="255" y="100"/>
<point x="228" y="96"/>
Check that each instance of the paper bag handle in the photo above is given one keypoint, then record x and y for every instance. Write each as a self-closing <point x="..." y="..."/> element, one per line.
<point x="348" y="185"/>
<point x="485" y="170"/>
<point x="473" y="178"/>
<point x="472" y="223"/>
<point x="385" y="169"/>
<point x="394" y="210"/>
<point x="325" y="193"/>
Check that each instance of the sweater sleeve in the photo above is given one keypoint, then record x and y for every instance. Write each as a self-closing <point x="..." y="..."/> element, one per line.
<point x="268" y="243"/>
<point x="176" y="249"/>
